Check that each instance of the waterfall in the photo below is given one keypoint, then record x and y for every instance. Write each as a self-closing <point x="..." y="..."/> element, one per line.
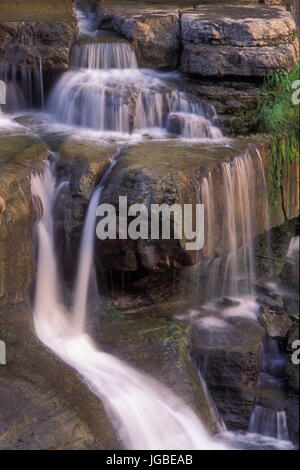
<point x="105" y="91"/>
<point x="25" y="87"/>
<point x="146" y="414"/>
<point x="265" y="419"/>
<point x="103" y="56"/>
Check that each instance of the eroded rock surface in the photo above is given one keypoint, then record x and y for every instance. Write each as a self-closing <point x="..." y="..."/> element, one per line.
<point x="246" y="40"/>
<point x="19" y="157"/>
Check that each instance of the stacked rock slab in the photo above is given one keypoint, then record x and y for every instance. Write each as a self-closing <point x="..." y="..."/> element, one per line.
<point x="243" y="40"/>
<point x="36" y="30"/>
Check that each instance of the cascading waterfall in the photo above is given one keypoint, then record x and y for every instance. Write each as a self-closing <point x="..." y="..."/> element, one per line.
<point x="105" y="91"/>
<point x="146" y="414"/>
<point x="233" y="273"/>
<point x="103" y="56"/>
<point x="266" y="420"/>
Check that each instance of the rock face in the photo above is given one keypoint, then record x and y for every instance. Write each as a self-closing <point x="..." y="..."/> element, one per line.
<point x="83" y="164"/>
<point x="292" y="373"/>
<point x="171" y="173"/>
<point x="251" y="40"/>
<point x="228" y="352"/>
<point x="44" y="405"/>
<point x="154" y="33"/>
<point x="19" y="157"/>
<point x="150" y="340"/>
<point x="34" y="38"/>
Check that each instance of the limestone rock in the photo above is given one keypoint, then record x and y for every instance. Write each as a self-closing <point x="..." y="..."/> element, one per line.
<point x="44" y="405"/>
<point x="38" y="32"/>
<point x="19" y="157"/>
<point x="153" y="32"/>
<point x="242" y="40"/>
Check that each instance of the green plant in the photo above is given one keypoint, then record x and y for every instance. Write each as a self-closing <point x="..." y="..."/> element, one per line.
<point x="277" y="114"/>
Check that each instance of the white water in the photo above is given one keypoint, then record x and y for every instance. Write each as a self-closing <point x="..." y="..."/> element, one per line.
<point x="105" y="91"/>
<point x="234" y="272"/>
<point x="146" y="414"/>
<point x="103" y="55"/>
<point x="264" y="420"/>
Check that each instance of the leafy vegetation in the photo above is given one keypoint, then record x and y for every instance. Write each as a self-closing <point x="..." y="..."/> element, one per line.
<point x="278" y="115"/>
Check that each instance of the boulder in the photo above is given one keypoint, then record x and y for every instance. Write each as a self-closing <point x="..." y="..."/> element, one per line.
<point x="153" y="342"/>
<point x="170" y="172"/>
<point x="152" y="30"/>
<point x="35" y="32"/>
<point x="277" y="326"/>
<point x="238" y="40"/>
<point x="228" y="353"/>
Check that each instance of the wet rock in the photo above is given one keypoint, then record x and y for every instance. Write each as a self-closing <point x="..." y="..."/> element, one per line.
<point x="152" y="30"/>
<point x="226" y="302"/>
<point x="277" y="326"/>
<point x="152" y="342"/>
<point x="238" y="40"/>
<point x="170" y="172"/>
<point x="290" y="270"/>
<point x="229" y="356"/>
<point x="19" y="157"/>
<point x="292" y="374"/>
<point x="36" y="31"/>
<point x="44" y="405"/>
<point x="82" y="164"/>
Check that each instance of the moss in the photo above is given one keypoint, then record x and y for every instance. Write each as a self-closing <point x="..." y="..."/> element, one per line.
<point x="285" y="149"/>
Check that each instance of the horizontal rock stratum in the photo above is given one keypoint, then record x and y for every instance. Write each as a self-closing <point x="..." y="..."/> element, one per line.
<point x="208" y="40"/>
<point x="36" y="31"/>
<point x="245" y="40"/>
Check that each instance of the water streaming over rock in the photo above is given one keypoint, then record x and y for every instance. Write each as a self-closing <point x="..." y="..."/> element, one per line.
<point x="146" y="414"/>
<point x="103" y="56"/>
<point x="105" y="91"/>
<point x="234" y="272"/>
<point x="268" y="416"/>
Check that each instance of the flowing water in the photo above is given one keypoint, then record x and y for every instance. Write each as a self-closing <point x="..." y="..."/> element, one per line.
<point x="105" y="91"/>
<point x="146" y="414"/>
<point x="265" y="419"/>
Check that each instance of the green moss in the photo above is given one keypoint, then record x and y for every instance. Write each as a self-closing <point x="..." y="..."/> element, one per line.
<point x="279" y="116"/>
<point x="285" y="149"/>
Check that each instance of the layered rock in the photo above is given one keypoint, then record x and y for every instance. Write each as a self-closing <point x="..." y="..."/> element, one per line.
<point x="228" y="352"/>
<point x="149" y="339"/>
<point x="173" y="173"/>
<point x="81" y="164"/>
<point x="238" y="40"/>
<point x="153" y="31"/>
<point x="34" y="39"/>
<point x="44" y="405"/>
<point x="37" y="31"/>
<point x="19" y="157"/>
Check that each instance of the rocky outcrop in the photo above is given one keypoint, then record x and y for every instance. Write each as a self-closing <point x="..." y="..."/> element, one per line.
<point x="238" y="40"/>
<point x="171" y="173"/>
<point x="44" y="405"/>
<point x="152" y="341"/>
<point x="19" y="157"/>
<point x="153" y="32"/>
<point x="228" y="352"/>
<point x="82" y="164"/>
<point x="35" y="44"/>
